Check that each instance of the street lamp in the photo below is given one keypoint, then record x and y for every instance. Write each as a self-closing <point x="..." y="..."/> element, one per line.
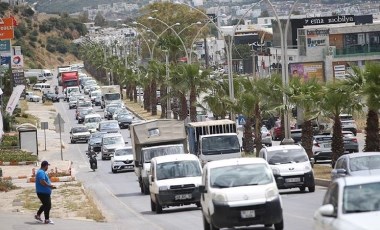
<point x="284" y="70"/>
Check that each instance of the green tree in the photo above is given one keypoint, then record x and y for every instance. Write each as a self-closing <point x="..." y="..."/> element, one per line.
<point x="100" y="20"/>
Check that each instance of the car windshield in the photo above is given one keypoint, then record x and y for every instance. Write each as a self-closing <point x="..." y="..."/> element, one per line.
<point x="240" y="175"/>
<point x="264" y="130"/>
<point x="178" y="169"/>
<point x="123" y="152"/>
<point x="285" y="156"/>
<point x="149" y="153"/>
<point x="72" y="99"/>
<point x="109" y="125"/>
<point x="85" y="104"/>
<point x="93" y="120"/>
<point x="220" y="144"/>
<point x="124" y="116"/>
<point x="112" y="96"/>
<point x="111" y="108"/>
<point x="113" y="140"/>
<point x="361" y="198"/>
<point x="94" y="94"/>
<point x="365" y="163"/>
<point x="323" y="139"/>
<point x="85" y="112"/>
<point x="79" y="130"/>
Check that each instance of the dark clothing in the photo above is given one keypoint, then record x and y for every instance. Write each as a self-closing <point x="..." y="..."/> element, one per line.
<point x="46" y="205"/>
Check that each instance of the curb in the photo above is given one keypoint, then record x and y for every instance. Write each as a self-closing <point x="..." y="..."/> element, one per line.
<point x="54" y="179"/>
<point x="17" y="163"/>
<point x="134" y="113"/>
<point x="14" y="177"/>
<point x="322" y="182"/>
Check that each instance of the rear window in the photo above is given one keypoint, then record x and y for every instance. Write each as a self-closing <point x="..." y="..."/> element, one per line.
<point x="79" y="130"/>
<point x="323" y="139"/>
<point x="346" y="117"/>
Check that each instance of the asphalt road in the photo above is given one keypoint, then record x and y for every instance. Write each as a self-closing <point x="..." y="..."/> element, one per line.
<point x="123" y="204"/>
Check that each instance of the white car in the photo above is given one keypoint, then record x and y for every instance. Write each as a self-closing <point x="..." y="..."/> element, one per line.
<point x="322" y="147"/>
<point x="174" y="181"/>
<point x="31" y="96"/>
<point x="79" y="133"/>
<point x="350" y="203"/>
<point x="91" y="121"/>
<point x="122" y="159"/>
<point x="240" y="192"/>
<point x="290" y="166"/>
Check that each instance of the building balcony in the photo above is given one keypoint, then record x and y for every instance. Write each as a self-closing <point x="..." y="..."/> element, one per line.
<point x="357" y="50"/>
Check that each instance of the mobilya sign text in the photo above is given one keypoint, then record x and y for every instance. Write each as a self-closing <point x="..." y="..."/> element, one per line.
<point x="329" y="20"/>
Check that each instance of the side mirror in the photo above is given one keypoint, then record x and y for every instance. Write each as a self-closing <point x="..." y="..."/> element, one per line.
<point x="126" y="142"/>
<point x="312" y="162"/>
<point x="327" y="210"/>
<point x="341" y="171"/>
<point x="202" y="189"/>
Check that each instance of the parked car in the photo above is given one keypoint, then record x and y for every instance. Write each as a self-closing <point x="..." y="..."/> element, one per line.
<point x="348" y="123"/>
<point x="174" y="181"/>
<point x="122" y="159"/>
<point x="31" y="96"/>
<point x="357" y="164"/>
<point x="296" y="135"/>
<point x="124" y="120"/>
<point x="322" y="147"/>
<point x="350" y="142"/>
<point x="79" y="133"/>
<point x="240" y="192"/>
<point x="49" y="96"/>
<point x="290" y="165"/>
<point x="110" y="142"/>
<point x="350" y="203"/>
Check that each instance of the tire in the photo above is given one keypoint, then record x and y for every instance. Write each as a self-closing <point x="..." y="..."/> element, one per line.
<point x="198" y="204"/>
<point x="279" y="226"/>
<point x="302" y="189"/>
<point x="72" y="141"/>
<point x="158" y="206"/>
<point x="206" y="225"/>
<point x="152" y="205"/>
<point x="113" y="170"/>
<point x="311" y="188"/>
<point x="268" y="225"/>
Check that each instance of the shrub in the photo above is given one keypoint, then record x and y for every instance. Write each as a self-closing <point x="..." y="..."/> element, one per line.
<point x="60" y="59"/>
<point x="7" y="185"/>
<point x="33" y="80"/>
<point x="16" y="155"/>
<point x="32" y="44"/>
<point x="50" y="48"/>
<point x="25" y="115"/>
<point x="9" y="141"/>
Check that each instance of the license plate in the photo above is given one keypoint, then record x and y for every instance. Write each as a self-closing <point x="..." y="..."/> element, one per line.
<point x="183" y="197"/>
<point x="290" y="180"/>
<point x="247" y="214"/>
<point x="129" y="167"/>
<point x="327" y="145"/>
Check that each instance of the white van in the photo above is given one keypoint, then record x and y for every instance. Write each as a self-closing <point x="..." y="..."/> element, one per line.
<point x="42" y="87"/>
<point x="47" y="74"/>
<point x="290" y="165"/>
<point x="174" y="181"/>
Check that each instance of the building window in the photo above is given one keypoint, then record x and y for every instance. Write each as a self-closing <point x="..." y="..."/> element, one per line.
<point x="265" y="21"/>
<point x="290" y="58"/>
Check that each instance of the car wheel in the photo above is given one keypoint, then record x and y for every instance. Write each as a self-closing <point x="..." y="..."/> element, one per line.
<point x="279" y="226"/>
<point x="311" y="188"/>
<point x="206" y="225"/>
<point x="72" y="141"/>
<point x="302" y="189"/>
<point x="158" y="206"/>
<point x="268" y="225"/>
<point x="198" y="204"/>
<point x="152" y="205"/>
<point x="113" y="170"/>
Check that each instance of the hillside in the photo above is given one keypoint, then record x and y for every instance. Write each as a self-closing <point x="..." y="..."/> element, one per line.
<point x="46" y="40"/>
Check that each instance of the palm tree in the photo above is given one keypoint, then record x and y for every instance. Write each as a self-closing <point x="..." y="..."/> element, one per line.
<point x="366" y="82"/>
<point x="337" y="98"/>
<point x="306" y="95"/>
<point x="195" y="80"/>
<point x="218" y="101"/>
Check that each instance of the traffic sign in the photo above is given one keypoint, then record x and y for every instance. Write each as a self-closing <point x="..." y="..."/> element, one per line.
<point x="6" y="28"/>
<point x="58" y="122"/>
<point x="241" y="120"/>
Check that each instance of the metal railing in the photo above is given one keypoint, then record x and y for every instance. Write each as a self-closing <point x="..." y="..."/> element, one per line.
<point x="358" y="50"/>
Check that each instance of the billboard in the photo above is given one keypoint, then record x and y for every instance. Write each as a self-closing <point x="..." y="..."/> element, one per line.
<point x="17" y="62"/>
<point x="308" y="70"/>
<point x="6" y="28"/>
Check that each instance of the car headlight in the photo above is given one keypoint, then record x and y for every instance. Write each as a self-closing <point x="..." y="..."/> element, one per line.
<point x="105" y="149"/>
<point x="219" y="198"/>
<point x="307" y="168"/>
<point x="271" y="194"/>
<point x="276" y="171"/>
<point x="163" y="188"/>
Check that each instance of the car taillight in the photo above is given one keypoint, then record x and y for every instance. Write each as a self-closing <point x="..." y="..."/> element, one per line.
<point x="355" y="140"/>
<point x="268" y="134"/>
<point x="317" y="145"/>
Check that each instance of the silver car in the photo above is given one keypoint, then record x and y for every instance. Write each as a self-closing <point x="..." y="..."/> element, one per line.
<point x="266" y="137"/>
<point x="357" y="164"/>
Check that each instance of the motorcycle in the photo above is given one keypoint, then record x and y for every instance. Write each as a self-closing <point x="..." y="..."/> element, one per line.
<point x="93" y="161"/>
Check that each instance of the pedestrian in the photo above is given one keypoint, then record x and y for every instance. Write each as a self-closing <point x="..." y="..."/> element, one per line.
<point x="43" y="190"/>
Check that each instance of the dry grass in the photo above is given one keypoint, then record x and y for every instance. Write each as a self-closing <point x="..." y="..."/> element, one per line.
<point x="322" y="172"/>
<point x="92" y="211"/>
<point x="29" y="199"/>
<point x="136" y="108"/>
<point x="47" y="103"/>
<point x="30" y="119"/>
<point x="23" y="105"/>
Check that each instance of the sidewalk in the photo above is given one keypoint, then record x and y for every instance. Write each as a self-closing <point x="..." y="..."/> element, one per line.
<point x="10" y="221"/>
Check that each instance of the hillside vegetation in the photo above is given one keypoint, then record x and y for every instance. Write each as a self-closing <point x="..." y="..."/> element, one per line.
<point x="45" y="40"/>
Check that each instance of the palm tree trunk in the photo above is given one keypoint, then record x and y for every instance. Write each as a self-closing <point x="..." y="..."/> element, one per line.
<point x="282" y="127"/>
<point x="147" y="98"/>
<point x="247" y="140"/>
<point x="163" y="96"/>
<point x="258" y="138"/>
<point x="183" y="107"/>
<point x="175" y="108"/>
<point x="337" y="146"/>
<point x="153" y="98"/>
<point x="135" y="93"/>
<point x="193" y="101"/>
<point x="372" y="140"/>
<point x="307" y="137"/>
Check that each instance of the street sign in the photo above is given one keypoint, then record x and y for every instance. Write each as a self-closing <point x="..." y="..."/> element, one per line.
<point x="6" y="29"/>
<point x="241" y="120"/>
<point x="58" y="122"/>
<point x="5" y="45"/>
<point x="44" y="125"/>
<point x="18" y="77"/>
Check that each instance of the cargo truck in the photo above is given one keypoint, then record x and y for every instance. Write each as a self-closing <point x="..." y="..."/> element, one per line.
<point x="155" y="138"/>
<point x="110" y="94"/>
<point x="213" y="140"/>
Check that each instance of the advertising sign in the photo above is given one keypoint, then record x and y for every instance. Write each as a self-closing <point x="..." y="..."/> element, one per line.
<point x="329" y="20"/>
<point x="5" y="45"/>
<point x="17" y="62"/>
<point x="308" y="70"/>
<point x="5" y="60"/>
<point x="6" y="29"/>
<point x="13" y="100"/>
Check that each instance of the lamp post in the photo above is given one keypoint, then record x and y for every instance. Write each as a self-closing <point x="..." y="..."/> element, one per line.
<point x="284" y="70"/>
